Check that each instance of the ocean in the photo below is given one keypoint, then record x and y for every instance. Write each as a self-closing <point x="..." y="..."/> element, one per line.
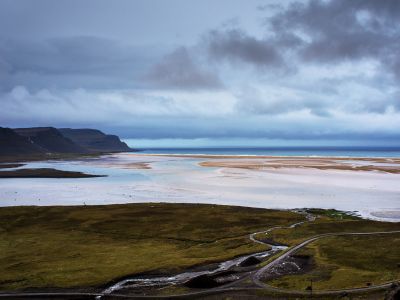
<point x="283" y="151"/>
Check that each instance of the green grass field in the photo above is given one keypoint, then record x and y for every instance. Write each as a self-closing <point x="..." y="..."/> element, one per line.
<point x="343" y="261"/>
<point x="90" y="245"/>
<point x="348" y="262"/>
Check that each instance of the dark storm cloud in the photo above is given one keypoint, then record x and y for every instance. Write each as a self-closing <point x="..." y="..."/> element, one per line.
<point x="178" y="70"/>
<point x="316" y="31"/>
<point x="235" y="45"/>
<point x="342" y="30"/>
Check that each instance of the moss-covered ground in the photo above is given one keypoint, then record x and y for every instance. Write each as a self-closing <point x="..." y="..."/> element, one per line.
<point x="341" y="262"/>
<point x="91" y="245"/>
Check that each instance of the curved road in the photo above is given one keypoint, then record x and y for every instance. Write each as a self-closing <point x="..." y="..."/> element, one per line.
<point x="309" y="218"/>
<point x="256" y="276"/>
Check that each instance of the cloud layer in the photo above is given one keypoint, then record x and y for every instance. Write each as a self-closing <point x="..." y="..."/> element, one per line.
<point x="318" y="69"/>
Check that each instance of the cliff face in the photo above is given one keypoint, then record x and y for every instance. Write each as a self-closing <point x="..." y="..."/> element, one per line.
<point x="12" y="143"/>
<point x="42" y="140"/>
<point x="50" y="139"/>
<point x="95" y="140"/>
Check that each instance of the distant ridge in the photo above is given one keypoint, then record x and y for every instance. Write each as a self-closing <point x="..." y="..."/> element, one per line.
<point x="12" y="143"/>
<point x="50" y="139"/>
<point x="40" y="141"/>
<point x="95" y="140"/>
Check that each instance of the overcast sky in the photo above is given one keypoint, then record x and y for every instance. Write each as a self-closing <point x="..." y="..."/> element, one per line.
<point x="253" y="72"/>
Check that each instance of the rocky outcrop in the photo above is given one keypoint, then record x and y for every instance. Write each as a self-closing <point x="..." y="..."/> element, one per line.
<point x="250" y="261"/>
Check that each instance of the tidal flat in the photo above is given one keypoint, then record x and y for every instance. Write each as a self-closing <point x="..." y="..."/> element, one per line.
<point x="368" y="186"/>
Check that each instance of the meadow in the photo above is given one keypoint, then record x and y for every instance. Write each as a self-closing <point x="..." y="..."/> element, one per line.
<point x="86" y="246"/>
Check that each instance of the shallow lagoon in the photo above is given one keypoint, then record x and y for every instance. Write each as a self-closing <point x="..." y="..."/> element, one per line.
<point x="372" y="194"/>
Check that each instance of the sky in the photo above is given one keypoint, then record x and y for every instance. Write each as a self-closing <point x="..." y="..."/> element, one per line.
<point x="203" y="73"/>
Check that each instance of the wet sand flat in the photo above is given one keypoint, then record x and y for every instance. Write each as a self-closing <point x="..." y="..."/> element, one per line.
<point x="388" y="165"/>
<point x="366" y="185"/>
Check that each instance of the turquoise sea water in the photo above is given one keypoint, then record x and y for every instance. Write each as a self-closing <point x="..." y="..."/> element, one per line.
<point x="284" y="151"/>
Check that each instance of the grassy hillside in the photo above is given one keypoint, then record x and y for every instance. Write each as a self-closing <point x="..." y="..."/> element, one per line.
<point x="91" y="245"/>
<point x="342" y="261"/>
<point x="348" y="262"/>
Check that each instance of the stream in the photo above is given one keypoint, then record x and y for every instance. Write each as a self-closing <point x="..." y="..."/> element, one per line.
<point x="143" y="282"/>
<point x="162" y="281"/>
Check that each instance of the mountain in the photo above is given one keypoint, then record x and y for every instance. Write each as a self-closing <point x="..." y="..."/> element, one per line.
<point x="50" y="139"/>
<point x="41" y="141"/>
<point x="95" y="140"/>
<point x="12" y="143"/>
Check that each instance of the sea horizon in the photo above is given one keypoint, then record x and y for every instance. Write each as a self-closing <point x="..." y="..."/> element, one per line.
<point x="308" y="151"/>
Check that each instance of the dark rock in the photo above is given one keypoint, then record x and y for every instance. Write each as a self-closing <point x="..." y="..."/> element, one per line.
<point x="202" y="282"/>
<point x="394" y="292"/>
<point x="211" y="280"/>
<point x="250" y="261"/>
